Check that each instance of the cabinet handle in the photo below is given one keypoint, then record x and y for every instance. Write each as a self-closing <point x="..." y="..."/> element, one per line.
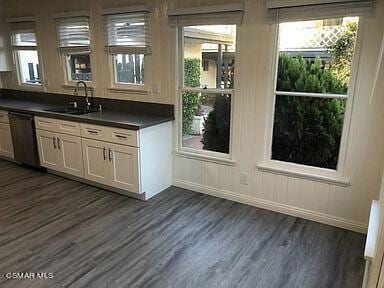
<point x="92" y="132"/>
<point x="121" y="136"/>
<point x="54" y="142"/>
<point x="105" y="153"/>
<point x="110" y="154"/>
<point x="58" y="143"/>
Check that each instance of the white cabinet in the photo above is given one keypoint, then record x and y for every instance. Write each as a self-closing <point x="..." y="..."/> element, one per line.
<point x="123" y="160"/>
<point x="6" y="146"/>
<point x="124" y="167"/>
<point x="48" y="153"/>
<point x="58" y="126"/>
<point x="71" y="156"/>
<point x="111" y="164"/>
<point x="110" y="134"/>
<point x="95" y="161"/>
<point x="60" y="152"/>
<point x="4" y="116"/>
<point x="5" y="53"/>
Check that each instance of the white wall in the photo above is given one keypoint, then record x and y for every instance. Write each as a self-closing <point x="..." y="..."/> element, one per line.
<point x="341" y="206"/>
<point x="157" y="66"/>
<point x="346" y="207"/>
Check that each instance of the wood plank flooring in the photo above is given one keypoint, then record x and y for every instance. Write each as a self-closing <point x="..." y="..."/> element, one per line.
<point x="88" y="237"/>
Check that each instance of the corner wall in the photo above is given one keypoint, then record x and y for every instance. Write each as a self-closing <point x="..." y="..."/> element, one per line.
<point x="346" y="207"/>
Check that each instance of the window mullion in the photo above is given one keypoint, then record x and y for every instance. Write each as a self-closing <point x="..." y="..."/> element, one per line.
<point x="207" y="91"/>
<point x="314" y="95"/>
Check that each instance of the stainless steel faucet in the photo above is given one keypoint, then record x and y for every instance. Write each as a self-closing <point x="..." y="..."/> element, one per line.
<point x="87" y="100"/>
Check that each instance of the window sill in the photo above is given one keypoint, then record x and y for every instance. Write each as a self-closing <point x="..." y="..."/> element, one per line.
<point x="275" y="169"/>
<point x="73" y="86"/>
<point x="31" y="87"/>
<point x="129" y="90"/>
<point x="205" y="158"/>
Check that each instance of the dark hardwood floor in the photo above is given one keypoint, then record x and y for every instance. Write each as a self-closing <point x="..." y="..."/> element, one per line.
<point x="88" y="237"/>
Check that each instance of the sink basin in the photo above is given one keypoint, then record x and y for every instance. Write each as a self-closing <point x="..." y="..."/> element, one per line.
<point x="72" y="111"/>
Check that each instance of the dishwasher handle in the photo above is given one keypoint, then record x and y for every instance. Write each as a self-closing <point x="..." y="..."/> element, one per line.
<point x="20" y="115"/>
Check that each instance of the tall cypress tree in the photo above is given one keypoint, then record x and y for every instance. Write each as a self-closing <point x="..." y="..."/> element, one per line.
<point x="307" y="130"/>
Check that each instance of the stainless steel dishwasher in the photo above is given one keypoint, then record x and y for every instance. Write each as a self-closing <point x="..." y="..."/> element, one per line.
<point x="24" y="138"/>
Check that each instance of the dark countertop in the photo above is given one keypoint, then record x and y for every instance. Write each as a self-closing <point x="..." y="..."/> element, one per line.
<point x="127" y="120"/>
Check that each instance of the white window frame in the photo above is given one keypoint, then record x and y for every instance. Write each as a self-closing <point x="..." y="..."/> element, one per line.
<point x="213" y="156"/>
<point x="337" y="176"/>
<point x="129" y="86"/>
<point x="135" y="88"/>
<point x="66" y="71"/>
<point x="16" y="60"/>
<point x="75" y="50"/>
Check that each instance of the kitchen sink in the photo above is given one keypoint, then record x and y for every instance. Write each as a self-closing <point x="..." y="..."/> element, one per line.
<point x="71" y="111"/>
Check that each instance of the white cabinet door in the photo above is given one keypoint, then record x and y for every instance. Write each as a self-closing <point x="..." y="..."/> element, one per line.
<point x="124" y="167"/>
<point x="6" y="147"/>
<point x="96" y="166"/>
<point x="47" y="143"/>
<point x="71" y="154"/>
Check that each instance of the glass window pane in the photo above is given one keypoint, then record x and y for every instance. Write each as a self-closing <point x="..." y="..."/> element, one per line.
<point x="28" y="61"/>
<point x="79" y="67"/>
<point x="307" y="130"/>
<point x="206" y="121"/>
<point x="316" y="56"/>
<point x="24" y="39"/>
<point x="209" y="56"/>
<point x="129" y="68"/>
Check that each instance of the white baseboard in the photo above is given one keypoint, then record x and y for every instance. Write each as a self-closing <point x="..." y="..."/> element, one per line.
<point x="274" y="206"/>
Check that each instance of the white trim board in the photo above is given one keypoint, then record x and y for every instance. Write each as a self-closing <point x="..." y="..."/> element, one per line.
<point x="274" y="206"/>
<point x="127" y="9"/>
<point x="20" y="19"/>
<point x="71" y="14"/>
<point x="206" y="9"/>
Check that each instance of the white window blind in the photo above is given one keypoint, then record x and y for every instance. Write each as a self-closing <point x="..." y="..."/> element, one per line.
<point x="301" y="10"/>
<point x="207" y="15"/>
<point x="73" y="34"/>
<point x="128" y="33"/>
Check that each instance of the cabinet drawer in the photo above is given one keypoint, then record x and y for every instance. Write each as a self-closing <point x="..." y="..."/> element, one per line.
<point x="4" y="116"/>
<point x="57" y="125"/>
<point x="68" y="127"/>
<point x="110" y="134"/>
<point x="47" y="124"/>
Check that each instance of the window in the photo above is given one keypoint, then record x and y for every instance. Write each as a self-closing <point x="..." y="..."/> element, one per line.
<point x="128" y="45"/>
<point x="79" y="67"/>
<point x="24" y="45"/>
<point x="208" y="59"/>
<point x="129" y="68"/>
<point x="313" y="77"/>
<point x="74" y="45"/>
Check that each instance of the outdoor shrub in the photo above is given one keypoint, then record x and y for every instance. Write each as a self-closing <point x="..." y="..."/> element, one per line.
<point x="342" y="52"/>
<point x="216" y="133"/>
<point x="307" y="130"/>
<point x="190" y="100"/>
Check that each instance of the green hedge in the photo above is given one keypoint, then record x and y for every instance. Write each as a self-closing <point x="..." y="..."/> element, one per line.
<point x="192" y="75"/>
